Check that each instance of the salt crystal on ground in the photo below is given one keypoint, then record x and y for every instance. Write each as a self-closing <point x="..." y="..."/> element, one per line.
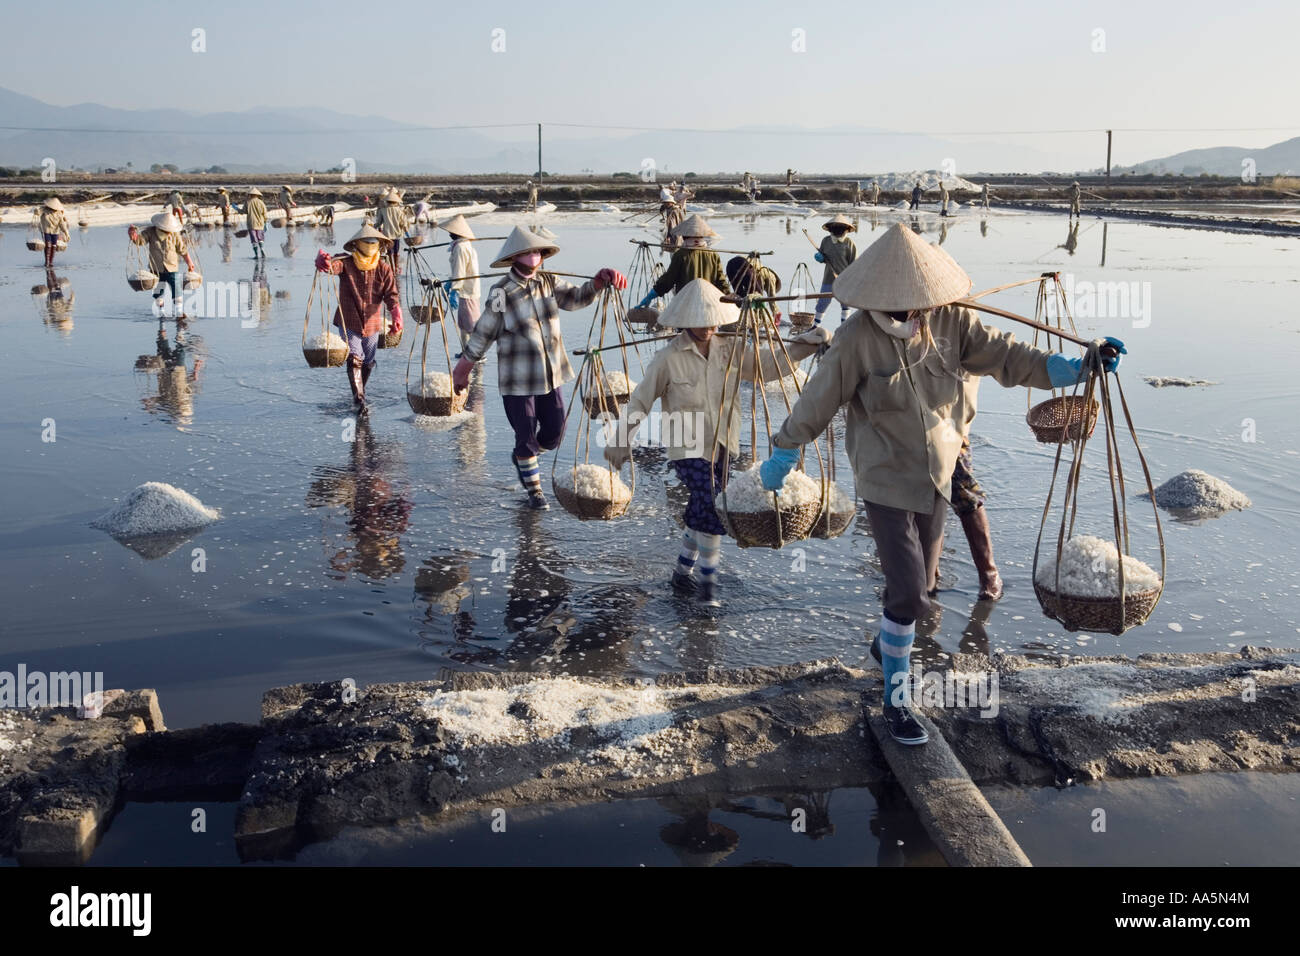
<point x="593" y="481"/>
<point x="1090" y="568"/>
<point x="156" y="508"/>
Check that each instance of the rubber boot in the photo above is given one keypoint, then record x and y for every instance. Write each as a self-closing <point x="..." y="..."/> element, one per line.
<point x="353" y="367"/>
<point x="49" y="256"/>
<point x="976" y="526"/>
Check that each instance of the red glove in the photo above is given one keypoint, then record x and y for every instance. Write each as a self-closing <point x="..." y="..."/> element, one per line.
<point x="132" y="231"/>
<point x="609" y="277"/>
<point x="322" y="261"/>
<point x="396" y="315"/>
<point x="460" y="374"/>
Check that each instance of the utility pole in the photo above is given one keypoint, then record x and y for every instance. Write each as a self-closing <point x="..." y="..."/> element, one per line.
<point x="1108" y="139"/>
<point x="539" y="154"/>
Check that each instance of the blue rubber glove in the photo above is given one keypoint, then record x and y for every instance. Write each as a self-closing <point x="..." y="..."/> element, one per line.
<point x="446" y="285"/>
<point x="773" y="471"/>
<point x="819" y="257"/>
<point x="1064" y="371"/>
<point x="1112" y="364"/>
<point x="453" y="300"/>
<point x="649" y="297"/>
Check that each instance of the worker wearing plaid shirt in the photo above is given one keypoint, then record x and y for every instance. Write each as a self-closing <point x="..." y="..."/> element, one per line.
<point x="523" y="319"/>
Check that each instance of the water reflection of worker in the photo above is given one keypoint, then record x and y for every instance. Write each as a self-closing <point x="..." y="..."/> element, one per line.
<point x="984" y="228"/>
<point x="177" y="385"/>
<point x="57" y="302"/>
<point x="695" y="839"/>
<point x="290" y="244"/>
<point x="373" y="491"/>
<point x="260" y="291"/>
<point x="227" y="243"/>
<point x="1072" y="237"/>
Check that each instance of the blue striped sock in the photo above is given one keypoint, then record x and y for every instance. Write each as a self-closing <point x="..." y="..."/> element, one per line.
<point x="710" y="551"/>
<point x="686" y="560"/>
<point x="895" y="657"/>
<point x="529" y="474"/>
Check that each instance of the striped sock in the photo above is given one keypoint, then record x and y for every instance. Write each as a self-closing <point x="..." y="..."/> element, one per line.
<point x="686" y="560"/>
<point x="710" y="551"/>
<point x="529" y="474"/>
<point x="895" y="657"/>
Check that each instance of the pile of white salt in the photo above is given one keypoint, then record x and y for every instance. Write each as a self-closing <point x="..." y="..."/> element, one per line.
<point x="156" y="508"/>
<point x="1090" y="568"/>
<point x="595" y="482"/>
<point x="326" y="340"/>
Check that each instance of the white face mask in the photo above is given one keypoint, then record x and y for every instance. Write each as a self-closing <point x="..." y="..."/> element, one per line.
<point x="899" y="330"/>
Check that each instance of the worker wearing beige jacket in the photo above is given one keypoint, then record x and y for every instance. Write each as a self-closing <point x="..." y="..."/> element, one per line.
<point x="53" y="227"/>
<point x="463" y="289"/>
<point x="687" y="377"/>
<point x="898" y="365"/>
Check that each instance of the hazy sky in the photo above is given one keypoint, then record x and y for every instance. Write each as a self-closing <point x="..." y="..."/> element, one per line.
<point x="936" y="67"/>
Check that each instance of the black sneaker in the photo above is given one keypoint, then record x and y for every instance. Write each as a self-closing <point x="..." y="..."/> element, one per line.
<point x="875" y="650"/>
<point x="709" y="593"/>
<point x="537" y="501"/>
<point x="685" y="583"/>
<point x="904" y="727"/>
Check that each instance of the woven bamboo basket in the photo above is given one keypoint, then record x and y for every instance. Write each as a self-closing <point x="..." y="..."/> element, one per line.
<point x="437" y="406"/>
<point x="241" y="233"/>
<point x="802" y="320"/>
<point x="1061" y="419"/>
<point x="1098" y="614"/>
<point x="142" y="283"/>
<point x="642" y="315"/>
<point x="613" y="403"/>
<point x="390" y="339"/>
<point x="325" y="358"/>
<point x="148" y="363"/>
<point x="424" y="314"/>
<point x="193" y="280"/>
<point x="588" y="509"/>
<point x="36" y="245"/>
<point x="278" y="222"/>
<point x="832" y="524"/>
<point x="416" y="240"/>
<point x="761" y="529"/>
<point x="40" y="290"/>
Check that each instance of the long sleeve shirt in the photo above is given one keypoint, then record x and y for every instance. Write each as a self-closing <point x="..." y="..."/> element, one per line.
<point x="689" y="264"/>
<point x="393" y="220"/>
<point x="54" y="223"/>
<point x="838" y="253"/>
<point x="362" y="293"/>
<point x="166" y="249"/>
<point x="464" y="262"/>
<point x="522" y="316"/>
<point x="256" y="212"/>
<point x="689" y="387"/>
<point x="906" y="416"/>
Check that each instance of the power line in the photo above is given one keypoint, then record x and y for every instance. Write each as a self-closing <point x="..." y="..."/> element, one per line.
<point x="256" y="132"/>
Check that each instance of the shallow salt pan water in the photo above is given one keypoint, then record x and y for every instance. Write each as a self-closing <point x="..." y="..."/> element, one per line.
<point x="406" y="550"/>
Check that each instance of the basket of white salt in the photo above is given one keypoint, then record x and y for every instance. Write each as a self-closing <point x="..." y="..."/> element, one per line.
<point x="642" y="315"/>
<point x="390" y="339"/>
<point x="1090" y="589"/>
<point x="193" y="280"/>
<point x="433" y="395"/>
<point x="836" y="516"/>
<point x="325" y="349"/>
<point x="609" y="393"/>
<point x="36" y="245"/>
<point x="591" y="492"/>
<point x="142" y="280"/>
<point x="322" y="346"/>
<point x="756" y="517"/>
<point x="1062" y="419"/>
<point x="426" y="312"/>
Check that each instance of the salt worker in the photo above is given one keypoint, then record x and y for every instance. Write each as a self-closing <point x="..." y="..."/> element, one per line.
<point x="1075" y="195"/>
<point x="366" y="284"/>
<point x="227" y="209"/>
<point x="286" y="200"/>
<point x="943" y="198"/>
<point x="693" y="260"/>
<point x="984" y="194"/>
<point x="523" y="319"/>
<point x="393" y="223"/>
<point x="54" y="227"/>
<point x="916" y="196"/>
<point x="905" y="403"/>
<point x="255" y="216"/>
<point x="463" y="286"/>
<point x="532" y="195"/>
<point x="687" y="377"/>
<point x="875" y="193"/>
<point x="166" y="249"/>
<point x="836" y="252"/>
<point x="177" y="205"/>
<point x="748" y="276"/>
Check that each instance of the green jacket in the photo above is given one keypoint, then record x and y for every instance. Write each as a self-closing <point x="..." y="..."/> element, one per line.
<point x="838" y="253"/>
<point x="689" y="264"/>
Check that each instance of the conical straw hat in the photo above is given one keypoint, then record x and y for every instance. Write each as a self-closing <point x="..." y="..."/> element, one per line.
<point x="698" y="305"/>
<point x="368" y="232"/>
<point x="166" y="222"/>
<point x="900" y="272"/>
<point x="694" y="227"/>
<point x="255" y="191"/>
<point x="521" y="240"/>
<point x="52" y="203"/>
<point x="394" y="195"/>
<point x="840" y="220"/>
<point x="457" y="226"/>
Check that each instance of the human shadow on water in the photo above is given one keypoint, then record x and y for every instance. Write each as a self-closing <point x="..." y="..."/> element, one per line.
<point x="178" y="381"/>
<point x="372" y="487"/>
<point x="54" y="300"/>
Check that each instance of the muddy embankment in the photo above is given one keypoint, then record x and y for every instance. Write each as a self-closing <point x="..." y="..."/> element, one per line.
<point x="326" y="757"/>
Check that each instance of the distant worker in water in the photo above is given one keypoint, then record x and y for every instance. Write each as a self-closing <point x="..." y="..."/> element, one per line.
<point x="166" y="249"/>
<point x="286" y="200"/>
<point x="1075" y="195"/>
<point x="916" y="196"/>
<point x="255" y="216"/>
<point x="836" y="252"/>
<point x="54" y="227"/>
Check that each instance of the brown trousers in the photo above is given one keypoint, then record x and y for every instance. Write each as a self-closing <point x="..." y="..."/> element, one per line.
<point x="908" y="545"/>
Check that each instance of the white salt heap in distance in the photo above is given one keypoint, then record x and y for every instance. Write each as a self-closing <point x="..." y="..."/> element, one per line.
<point x="746" y="494"/>
<point x="1195" y="494"/>
<point x="435" y="384"/>
<point x="326" y="340"/>
<point x="593" y="481"/>
<point x="156" y="508"/>
<point x="1090" y="568"/>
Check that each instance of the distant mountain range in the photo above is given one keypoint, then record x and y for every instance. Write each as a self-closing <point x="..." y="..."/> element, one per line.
<point x="90" y="136"/>
<point x="1279" y="159"/>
